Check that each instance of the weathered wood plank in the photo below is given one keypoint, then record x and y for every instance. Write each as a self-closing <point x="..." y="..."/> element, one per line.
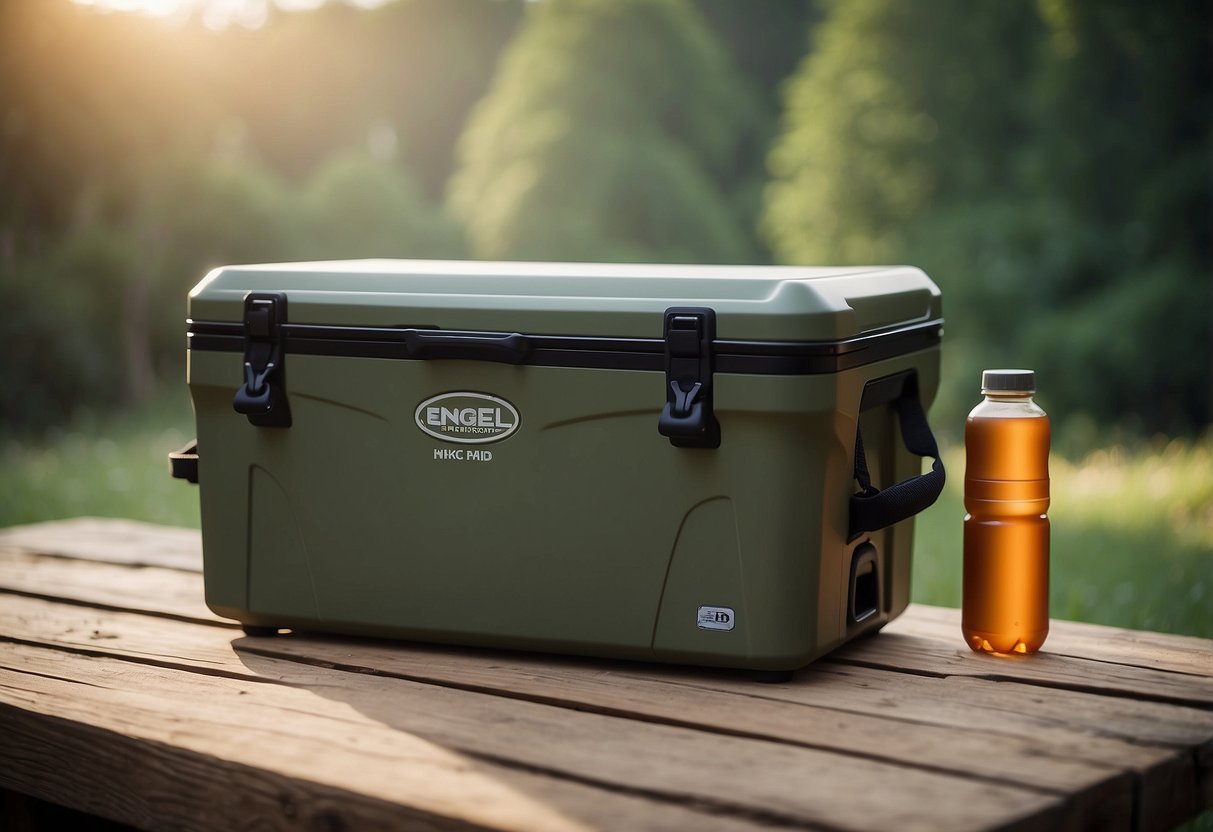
<point x="1019" y="735"/>
<point x="231" y="721"/>
<point x="1038" y="750"/>
<point x="152" y="590"/>
<point x="178" y="594"/>
<point x="166" y="592"/>
<point x="748" y="710"/>
<point x="160" y="785"/>
<point x="930" y="655"/>
<point x="1160" y="651"/>
<point x="318" y="723"/>
<point x="134" y="543"/>
<point x="1068" y="725"/>
<point x="868" y="693"/>
<point x="109" y="540"/>
<point x="121" y="741"/>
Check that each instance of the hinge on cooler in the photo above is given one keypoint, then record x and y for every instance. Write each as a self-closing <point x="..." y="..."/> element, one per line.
<point x="262" y="396"/>
<point x="687" y="418"/>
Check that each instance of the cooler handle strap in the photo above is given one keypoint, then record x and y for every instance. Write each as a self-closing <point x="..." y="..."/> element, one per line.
<point x="873" y="509"/>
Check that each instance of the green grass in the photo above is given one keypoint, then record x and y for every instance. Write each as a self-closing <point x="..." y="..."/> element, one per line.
<point x="113" y="465"/>
<point x="1132" y="531"/>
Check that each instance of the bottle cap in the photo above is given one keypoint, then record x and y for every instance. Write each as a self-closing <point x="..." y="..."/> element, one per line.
<point x="1008" y="381"/>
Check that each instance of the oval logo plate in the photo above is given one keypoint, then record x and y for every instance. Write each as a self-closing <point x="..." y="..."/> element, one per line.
<point x="468" y="418"/>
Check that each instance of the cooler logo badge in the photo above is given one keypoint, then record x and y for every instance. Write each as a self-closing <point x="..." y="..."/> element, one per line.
<point x="715" y="618"/>
<point x="468" y="418"/>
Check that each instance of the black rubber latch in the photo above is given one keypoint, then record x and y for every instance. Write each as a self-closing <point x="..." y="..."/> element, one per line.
<point x="687" y="418"/>
<point x="262" y="393"/>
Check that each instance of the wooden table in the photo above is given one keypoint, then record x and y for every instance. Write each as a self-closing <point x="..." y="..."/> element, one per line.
<point x="121" y="695"/>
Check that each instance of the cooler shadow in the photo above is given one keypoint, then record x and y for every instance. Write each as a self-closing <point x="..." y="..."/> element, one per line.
<point x="492" y="711"/>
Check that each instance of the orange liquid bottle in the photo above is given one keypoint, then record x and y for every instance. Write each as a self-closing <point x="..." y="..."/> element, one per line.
<point x="1006" y="531"/>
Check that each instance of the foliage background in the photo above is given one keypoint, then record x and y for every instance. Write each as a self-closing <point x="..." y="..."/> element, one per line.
<point x="1048" y="163"/>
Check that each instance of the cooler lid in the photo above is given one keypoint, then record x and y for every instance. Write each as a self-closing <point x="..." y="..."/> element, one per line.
<point x="753" y="303"/>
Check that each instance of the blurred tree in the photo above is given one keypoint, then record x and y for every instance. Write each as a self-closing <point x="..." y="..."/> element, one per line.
<point x="323" y="79"/>
<point x="57" y="349"/>
<point x="83" y="94"/>
<point x="125" y="168"/>
<point x="1017" y="154"/>
<point x="766" y="41"/>
<point x="897" y="108"/>
<point x="188" y="217"/>
<point x="1123" y="161"/>
<point x="611" y="132"/>
<point x="100" y="319"/>
<point x="358" y="206"/>
<point x="78" y="108"/>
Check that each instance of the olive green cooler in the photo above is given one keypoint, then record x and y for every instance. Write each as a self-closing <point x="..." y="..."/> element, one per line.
<point x="705" y="465"/>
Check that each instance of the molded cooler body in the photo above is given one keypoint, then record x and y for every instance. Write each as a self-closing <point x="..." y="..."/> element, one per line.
<point x="570" y="523"/>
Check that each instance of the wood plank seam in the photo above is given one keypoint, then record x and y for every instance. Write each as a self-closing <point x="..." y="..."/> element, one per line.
<point x="145" y="661"/>
<point x="699" y="803"/>
<point x="880" y="668"/>
<point x="131" y="564"/>
<point x="695" y="802"/>
<point x="101" y="605"/>
<point x="837" y="659"/>
<point x="1090" y="790"/>
<point x="1196" y="758"/>
<point x="655" y="719"/>
<point x="581" y="706"/>
<point x="1044" y="683"/>
<point x="734" y="810"/>
<point x="1114" y="663"/>
<point x="683" y="797"/>
<point x="13" y="718"/>
<point x="1205" y="748"/>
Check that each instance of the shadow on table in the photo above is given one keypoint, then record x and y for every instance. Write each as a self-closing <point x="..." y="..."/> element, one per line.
<point x="608" y="755"/>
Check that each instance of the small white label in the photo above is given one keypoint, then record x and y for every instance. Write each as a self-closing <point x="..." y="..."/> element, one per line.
<point x="715" y="618"/>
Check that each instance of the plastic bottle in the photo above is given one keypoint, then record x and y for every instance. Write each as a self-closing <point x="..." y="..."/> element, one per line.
<point x="1006" y="531"/>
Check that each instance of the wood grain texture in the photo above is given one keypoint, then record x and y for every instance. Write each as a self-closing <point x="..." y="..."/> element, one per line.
<point x="109" y="540"/>
<point x="921" y="728"/>
<point x="149" y="589"/>
<point x="1076" y="639"/>
<point x="670" y="763"/>
<point x="109" y="586"/>
<point x="929" y="655"/>
<point x="285" y="755"/>
<point x="617" y="691"/>
<point x="112" y="671"/>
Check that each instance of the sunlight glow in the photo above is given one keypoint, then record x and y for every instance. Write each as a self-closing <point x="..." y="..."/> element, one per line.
<point x="217" y="14"/>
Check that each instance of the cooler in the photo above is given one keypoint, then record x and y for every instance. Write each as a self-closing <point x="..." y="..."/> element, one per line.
<point x="715" y="465"/>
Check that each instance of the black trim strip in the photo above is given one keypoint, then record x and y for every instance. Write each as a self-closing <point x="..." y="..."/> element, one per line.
<point x="750" y="357"/>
